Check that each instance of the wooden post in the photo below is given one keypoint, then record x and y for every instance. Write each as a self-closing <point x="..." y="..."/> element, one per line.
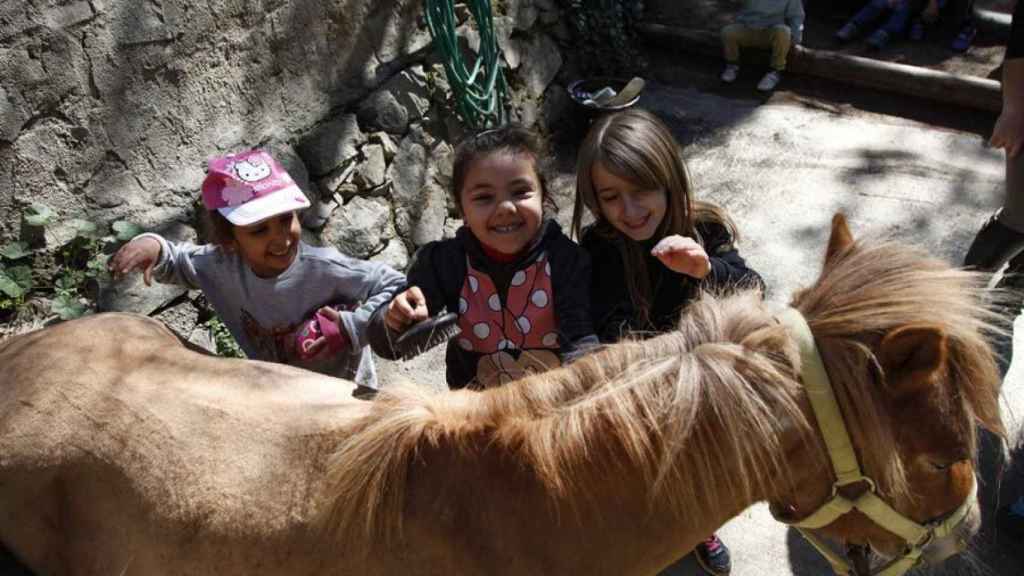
<point x="969" y="91"/>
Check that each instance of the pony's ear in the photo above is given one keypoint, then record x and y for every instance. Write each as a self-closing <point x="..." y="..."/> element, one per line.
<point x="840" y="240"/>
<point x="911" y="355"/>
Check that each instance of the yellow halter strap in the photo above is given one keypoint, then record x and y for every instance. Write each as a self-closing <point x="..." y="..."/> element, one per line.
<point x="847" y="471"/>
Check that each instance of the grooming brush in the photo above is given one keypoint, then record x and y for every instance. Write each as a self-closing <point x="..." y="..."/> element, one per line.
<point x="426" y="334"/>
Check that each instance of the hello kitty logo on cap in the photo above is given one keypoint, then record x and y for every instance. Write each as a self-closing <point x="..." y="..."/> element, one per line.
<point x="249" y="187"/>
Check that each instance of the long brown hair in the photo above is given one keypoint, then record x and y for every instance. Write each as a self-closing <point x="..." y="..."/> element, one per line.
<point x="636" y="146"/>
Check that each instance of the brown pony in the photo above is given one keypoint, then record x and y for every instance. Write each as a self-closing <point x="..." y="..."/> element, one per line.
<point x="123" y="452"/>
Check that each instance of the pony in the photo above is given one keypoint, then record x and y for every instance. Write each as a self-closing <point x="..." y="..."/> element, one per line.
<point x="123" y="451"/>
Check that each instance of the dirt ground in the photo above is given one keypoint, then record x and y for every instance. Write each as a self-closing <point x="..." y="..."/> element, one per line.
<point x="982" y="60"/>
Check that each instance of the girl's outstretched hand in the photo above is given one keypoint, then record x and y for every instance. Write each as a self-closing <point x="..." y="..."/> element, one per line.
<point x="406" y="309"/>
<point x="683" y="255"/>
<point x="139" y="254"/>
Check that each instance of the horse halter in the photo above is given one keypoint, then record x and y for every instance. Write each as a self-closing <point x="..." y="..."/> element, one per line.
<point x="847" y="471"/>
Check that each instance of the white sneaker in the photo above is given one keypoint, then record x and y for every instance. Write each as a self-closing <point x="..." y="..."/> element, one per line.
<point x="770" y="81"/>
<point x="730" y="73"/>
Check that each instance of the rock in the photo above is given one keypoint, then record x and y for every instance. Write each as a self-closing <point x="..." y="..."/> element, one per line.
<point x="371" y="172"/>
<point x="556" y="106"/>
<point x="316" y="217"/>
<point x="395" y="254"/>
<point x="410" y="88"/>
<point x="361" y="227"/>
<point x="383" y="111"/>
<point x="333" y="182"/>
<point x="386" y="143"/>
<point x="503" y="28"/>
<point x="182" y="318"/>
<point x="451" y="227"/>
<point x="130" y="294"/>
<point x="421" y="219"/>
<point x="293" y="164"/>
<point x="408" y="171"/>
<point x="332" y="145"/>
<point x="545" y="60"/>
<point x="442" y="157"/>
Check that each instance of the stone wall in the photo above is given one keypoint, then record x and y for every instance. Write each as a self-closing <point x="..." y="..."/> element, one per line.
<point x="110" y="108"/>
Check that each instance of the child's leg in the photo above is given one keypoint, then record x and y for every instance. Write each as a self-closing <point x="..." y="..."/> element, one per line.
<point x="780" y="37"/>
<point x="733" y="37"/>
<point x="869" y="13"/>
<point x="897" y="21"/>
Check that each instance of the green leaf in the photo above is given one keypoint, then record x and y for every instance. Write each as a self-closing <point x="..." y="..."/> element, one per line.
<point x="15" y="250"/>
<point x="22" y="276"/>
<point x="97" y="266"/>
<point x="126" y="230"/>
<point x="10" y="287"/>
<point x="67" y="307"/>
<point x="39" y="215"/>
<point x="86" y="229"/>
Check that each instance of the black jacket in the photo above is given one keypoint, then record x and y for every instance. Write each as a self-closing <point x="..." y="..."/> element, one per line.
<point x="439" y="269"/>
<point x="613" y="311"/>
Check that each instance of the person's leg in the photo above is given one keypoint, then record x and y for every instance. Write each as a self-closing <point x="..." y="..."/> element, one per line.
<point x="1010" y="222"/>
<point x="731" y="35"/>
<point x="869" y="13"/>
<point x="1002" y="236"/>
<point x="780" y="39"/>
<point x="896" y="23"/>
<point x="967" y="30"/>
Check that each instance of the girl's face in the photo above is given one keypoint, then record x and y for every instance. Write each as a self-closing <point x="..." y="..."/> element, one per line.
<point x="502" y="200"/>
<point x="269" y="246"/>
<point x="632" y="210"/>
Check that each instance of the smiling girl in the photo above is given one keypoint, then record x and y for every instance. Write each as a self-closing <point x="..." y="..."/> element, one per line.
<point x="263" y="281"/>
<point x="518" y="284"/>
<point x="653" y="246"/>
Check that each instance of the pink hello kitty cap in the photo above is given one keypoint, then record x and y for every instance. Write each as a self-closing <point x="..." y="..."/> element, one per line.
<point x="250" y="186"/>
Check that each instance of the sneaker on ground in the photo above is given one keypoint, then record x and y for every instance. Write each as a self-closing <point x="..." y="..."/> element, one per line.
<point x="770" y="81"/>
<point x="730" y="73"/>
<point x="713" y="556"/>
<point x="847" y="32"/>
<point x="878" y="39"/>
<point x="962" y="42"/>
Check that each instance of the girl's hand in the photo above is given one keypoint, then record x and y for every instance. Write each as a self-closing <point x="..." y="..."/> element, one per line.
<point x="406" y="309"/>
<point x="139" y="254"/>
<point x="683" y="255"/>
<point x="313" y="349"/>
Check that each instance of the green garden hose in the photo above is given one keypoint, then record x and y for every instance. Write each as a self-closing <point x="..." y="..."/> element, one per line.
<point x="480" y="91"/>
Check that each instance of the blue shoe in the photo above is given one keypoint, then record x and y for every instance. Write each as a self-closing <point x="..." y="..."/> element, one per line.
<point x="847" y="32"/>
<point x="713" y="556"/>
<point x="962" y="42"/>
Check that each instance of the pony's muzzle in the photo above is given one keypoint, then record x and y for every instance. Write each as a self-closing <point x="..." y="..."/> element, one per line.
<point x="956" y="541"/>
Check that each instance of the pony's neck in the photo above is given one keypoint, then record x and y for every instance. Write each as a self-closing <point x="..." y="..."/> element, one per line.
<point x="605" y="496"/>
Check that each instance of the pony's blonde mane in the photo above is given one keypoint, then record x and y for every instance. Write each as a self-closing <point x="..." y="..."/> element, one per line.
<point x="658" y="406"/>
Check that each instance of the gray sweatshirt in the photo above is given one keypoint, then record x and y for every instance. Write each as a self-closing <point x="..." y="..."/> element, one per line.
<point x="768" y="13"/>
<point x="259" y="312"/>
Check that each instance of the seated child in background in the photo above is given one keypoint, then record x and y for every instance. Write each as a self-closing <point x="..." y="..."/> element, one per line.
<point x="519" y="286"/>
<point x="775" y="24"/>
<point x="263" y="281"/>
<point x="894" y="25"/>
